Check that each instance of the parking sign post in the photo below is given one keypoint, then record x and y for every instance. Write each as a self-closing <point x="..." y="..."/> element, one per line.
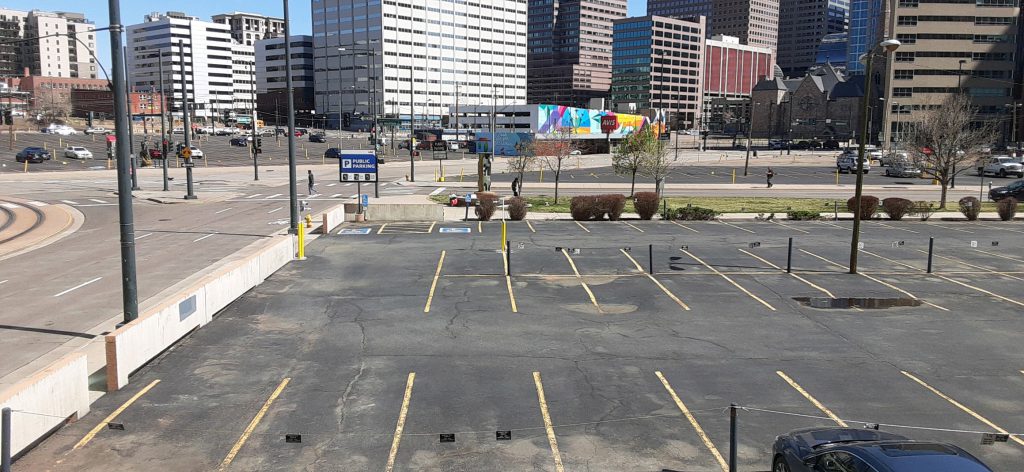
<point x="931" y="249"/>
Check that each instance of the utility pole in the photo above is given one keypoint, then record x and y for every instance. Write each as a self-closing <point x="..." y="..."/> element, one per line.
<point x="252" y="126"/>
<point x="293" y="197"/>
<point x="131" y="132"/>
<point x="187" y="124"/>
<point x="412" y="126"/>
<point x="129" y="286"/>
<point x="163" y="129"/>
<point x="750" y="129"/>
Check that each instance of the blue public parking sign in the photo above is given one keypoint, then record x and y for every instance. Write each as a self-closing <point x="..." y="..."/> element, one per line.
<point x="357" y="166"/>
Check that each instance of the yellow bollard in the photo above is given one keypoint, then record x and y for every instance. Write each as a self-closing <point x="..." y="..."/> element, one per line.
<point x="461" y="170"/>
<point x="734" y="176"/>
<point x="110" y="164"/>
<point x="93" y="137"/>
<point x="542" y="174"/>
<point x="323" y="159"/>
<point x="305" y="152"/>
<point x="935" y="181"/>
<point x="503" y="236"/>
<point x="302" y="241"/>
<point x="206" y="162"/>
<point x="26" y="166"/>
<point x="837" y="176"/>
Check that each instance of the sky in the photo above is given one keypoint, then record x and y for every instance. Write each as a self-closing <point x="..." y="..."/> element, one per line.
<point x="133" y="11"/>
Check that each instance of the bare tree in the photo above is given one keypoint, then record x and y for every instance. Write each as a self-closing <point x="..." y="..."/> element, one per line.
<point x="658" y="159"/>
<point x="629" y="156"/>
<point x="524" y="159"/>
<point x="947" y="140"/>
<point x="52" y="104"/>
<point x="554" y="149"/>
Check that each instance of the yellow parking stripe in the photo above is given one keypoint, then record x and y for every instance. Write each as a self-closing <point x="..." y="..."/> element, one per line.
<point x="683" y="226"/>
<point x="433" y="285"/>
<point x="390" y="466"/>
<point x="508" y="282"/>
<point x="810" y="398"/>
<point x="737" y="227"/>
<point x="479" y="226"/>
<point x="978" y="289"/>
<point x="729" y="279"/>
<point x="1004" y="256"/>
<point x="888" y="285"/>
<point x="381" y="230"/>
<point x="528" y="225"/>
<point x="986" y="269"/>
<point x="581" y="226"/>
<point x="590" y="293"/>
<point x="816" y="287"/>
<point x="252" y="425"/>
<point x="633" y="226"/>
<point x="431" y="228"/>
<point x="693" y="422"/>
<point x="548" y="428"/>
<point x="896" y="228"/>
<point x="92" y="433"/>
<point x="656" y="282"/>
<point x="962" y="407"/>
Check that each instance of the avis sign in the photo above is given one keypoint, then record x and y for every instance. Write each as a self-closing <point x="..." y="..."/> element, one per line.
<point x="357" y="166"/>
<point x="609" y="123"/>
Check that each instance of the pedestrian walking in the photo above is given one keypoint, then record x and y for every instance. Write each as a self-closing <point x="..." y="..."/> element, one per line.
<point x="755" y="153"/>
<point x="312" y="184"/>
<point x="516" y="187"/>
<point x="769" y="175"/>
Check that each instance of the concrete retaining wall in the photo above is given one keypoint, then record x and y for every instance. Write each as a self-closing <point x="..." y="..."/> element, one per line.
<point x="134" y="344"/>
<point x="46" y="400"/>
<point x="400" y="212"/>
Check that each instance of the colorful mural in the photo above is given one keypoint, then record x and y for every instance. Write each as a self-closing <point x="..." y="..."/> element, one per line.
<point x="586" y="123"/>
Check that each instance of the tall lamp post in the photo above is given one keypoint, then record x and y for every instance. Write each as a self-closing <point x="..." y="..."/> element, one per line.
<point x="886" y="46"/>
<point x="750" y="130"/>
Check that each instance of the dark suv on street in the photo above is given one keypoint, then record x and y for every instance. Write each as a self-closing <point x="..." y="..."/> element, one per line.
<point x="34" y="155"/>
<point x="1015" y="190"/>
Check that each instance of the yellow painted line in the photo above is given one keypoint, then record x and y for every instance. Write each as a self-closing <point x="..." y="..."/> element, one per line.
<point x="528" y="225"/>
<point x="381" y="230"/>
<point x="552" y="440"/>
<point x="978" y="289"/>
<point x="390" y="466"/>
<point x="590" y="293"/>
<point x="837" y="226"/>
<point x="962" y="407"/>
<point x="634" y="227"/>
<point x="656" y="282"/>
<point x="893" y="260"/>
<point x="737" y="227"/>
<point x="822" y="258"/>
<point x="949" y="228"/>
<point x="790" y="227"/>
<point x="683" y="226"/>
<point x="479" y="226"/>
<point x="809" y="283"/>
<point x="92" y="433"/>
<point x="810" y="398"/>
<point x="730" y="280"/>
<point x="693" y="422"/>
<point x="1004" y="256"/>
<point x="900" y="229"/>
<point x="252" y="425"/>
<point x="431" y="228"/>
<point x="581" y="226"/>
<point x="985" y="269"/>
<point x="433" y="285"/>
<point x="508" y="282"/>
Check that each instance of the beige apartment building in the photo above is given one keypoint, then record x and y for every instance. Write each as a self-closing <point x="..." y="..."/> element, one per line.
<point x="951" y="46"/>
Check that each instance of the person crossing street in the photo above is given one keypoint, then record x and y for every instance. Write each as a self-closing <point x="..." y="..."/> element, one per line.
<point x="311" y="183"/>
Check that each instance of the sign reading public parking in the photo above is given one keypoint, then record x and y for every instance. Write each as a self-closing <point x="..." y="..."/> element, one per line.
<point x="358" y="166"/>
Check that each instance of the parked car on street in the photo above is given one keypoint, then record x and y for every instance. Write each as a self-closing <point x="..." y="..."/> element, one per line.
<point x="178" y="131"/>
<point x="1002" y="166"/>
<point x="848" y="163"/>
<point x="903" y="168"/>
<point x="77" y="152"/>
<point x="834" y="449"/>
<point x="1015" y="190"/>
<point x="97" y="130"/>
<point x="830" y="145"/>
<point x="776" y="144"/>
<point x="890" y="158"/>
<point x="63" y="130"/>
<point x="240" y="140"/>
<point x="332" y="153"/>
<point x="196" y="152"/>
<point x="317" y="138"/>
<point x="155" y="153"/>
<point x="33" y="154"/>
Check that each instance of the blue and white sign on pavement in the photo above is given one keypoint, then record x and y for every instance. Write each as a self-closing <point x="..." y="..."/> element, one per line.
<point x="355" y="231"/>
<point x="454" y="230"/>
<point x="357" y="166"/>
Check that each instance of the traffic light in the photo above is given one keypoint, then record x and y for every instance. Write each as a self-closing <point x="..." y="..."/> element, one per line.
<point x="90" y="118"/>
<point x="227" y="116"/>
<point x="347" y="120"/>
<point x="258" y="148"/>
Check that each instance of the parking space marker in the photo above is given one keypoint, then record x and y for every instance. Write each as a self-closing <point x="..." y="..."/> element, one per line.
<point x="92" y="432"/>
<point x="528" y="225"/>
<point x="508" y="281"/>
<point x="143" y="236"/>
<point x="275" y="209"/>
<point x="433" y="285"/>
<point x="572" y="264"/>
<point x="76" y="287"/>
<point x="683" y="226"/>
<point x="382" y="228"/>
<point x="431" y="228"/>
<point x="1004" y="256"/>
<point x="634" y="227"/>
<point x="581" y="226"/>
<point x="693" y="422"/>
<point x="656" y="282"/>
<point x="985" y="269"/>
<point x="37" y="204"/>
<point x="729" y="279"/>
<point x="479" y="226"/>
<point x="254" y="195"/>
<point x="401" y="423"/>
<point x="999" y="227"/>
<point x="96" y="200"/>
<point x="737" y="227"/>
<point x="835" y="225"/>
<point x="891" y="286"/>
<point x="790" y="227"/>
<point x="900" y="229"/>
<point x="438" y="190"/>
<point x="272" y="196"/>
<point x="979" y="289"/>
<point x="548" y="428"/>
<point x="70" y="202"/>
<point x="252" y="425"/>
<point x="810" y="398"/>
<point x="962" y="407"/>
<point x="202" y="238"/>
<point x="335" y="195"/>
<point x="809" y="283"/>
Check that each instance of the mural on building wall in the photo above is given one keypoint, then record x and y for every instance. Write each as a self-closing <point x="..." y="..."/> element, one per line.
<point x="586" y="123"/>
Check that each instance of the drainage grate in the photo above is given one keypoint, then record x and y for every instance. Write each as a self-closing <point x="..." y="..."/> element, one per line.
<point x="863" y="303"/>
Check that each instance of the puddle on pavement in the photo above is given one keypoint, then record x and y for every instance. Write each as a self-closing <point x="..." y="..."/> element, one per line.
<point x="867" y="303"/>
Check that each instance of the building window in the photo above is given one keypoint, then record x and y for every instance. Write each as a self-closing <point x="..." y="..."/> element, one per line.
<point x="902" y="92"/>
<point x="904" y="57"/>
<point x="903" y="75"/>
<point x="907" y="21"/>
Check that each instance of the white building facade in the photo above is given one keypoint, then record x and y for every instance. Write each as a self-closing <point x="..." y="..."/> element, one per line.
<point x="247" y="28"/>
<point x="218" y="70"/>
<point x="419" y="55"/>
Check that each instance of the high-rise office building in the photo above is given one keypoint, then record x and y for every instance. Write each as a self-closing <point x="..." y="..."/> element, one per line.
<point x="430" y="54"/>
<point x="754" y="22"/>
<point x="58" y="44"/>
<point x="247" y="28"/>
<point x="691" y="9"/>
<point x="865" y="29"/>
<point x="570" y="45"/>
<point x="802" y="25"/>
<point x="271" y="79"/>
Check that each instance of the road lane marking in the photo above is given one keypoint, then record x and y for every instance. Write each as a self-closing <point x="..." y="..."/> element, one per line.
<point x="275" y="209"/>
<point x="92" y="432"/>
<point x="76" y="287"/>
<point x="273" y="196"/>
<point x="656" y="282"/>
<point x="202" y="238"/>
<point x="962" y="407"/>
<point x="433" y="285"/>
<point x="382" y="228"/>
<point x="222" y="211"/>
<point x="431" y="228"/>
<point x="10" y="206"/>
<point x="548" y="428"/>
<point x="985" y="269"/>
<point x="143" y="236"/>
<point x="508" y="281"/>
<point x="390" y="466"/>
<point x="737" y="227"/>
<point x="70" y="202"/>
<point x="683" y="226"/>
<point x="336" y="195"/>
<point x="528" y="225"/>
<point x="582" y="282"/>
<point x="634" y="227"/>
<point x="97" y="200"/>
<point x="729" y="279"/>
<point x="891" y="286"/>
<point x="438" y="190"/>
<point x="810" y="398"/>
<point x="254" y="195"/>
<point x="809" y="283"/>
<point x="252" y="425"/>
<point x="581" y="226"/>
<point x="333" y="184"/>
<point x="693" y="422"/>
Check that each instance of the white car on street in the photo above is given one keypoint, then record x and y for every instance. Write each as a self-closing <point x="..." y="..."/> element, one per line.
<point x="77" y="152"/>
<point x="848" y="163"/>
<point x="196" y="153"/>
<point x="97" y="130"/>
<point x="62" y="130"/>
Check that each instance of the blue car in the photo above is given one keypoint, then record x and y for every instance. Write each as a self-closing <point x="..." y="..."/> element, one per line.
<point x="866" y="450"/>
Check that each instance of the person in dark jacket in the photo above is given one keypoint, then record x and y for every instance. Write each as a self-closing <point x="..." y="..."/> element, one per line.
<point x="311" y="183"/>
<point x="516" y="187"/>
<point x="769" y="175"/>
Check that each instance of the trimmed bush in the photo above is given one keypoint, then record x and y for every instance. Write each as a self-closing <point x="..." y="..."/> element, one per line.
<point x="923" y="210"/>
<point x="612" y="205"/>
<point x="803" y="215"/>
<point x="1007" y="208"/>
<point x="516" y="208"/>
<point x="970" y="207"/>
<point x="693" y="213"/>
<point x="646" y="204"/>
<point x="486" y="205"/>
<point x="584" y="208"/>
<point x="897" y="208"/>
<point x="868" y="206"/>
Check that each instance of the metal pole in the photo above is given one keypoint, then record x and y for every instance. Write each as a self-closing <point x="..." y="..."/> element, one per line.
<point x="5" y="438"/>
<point x="187" y="125"/>
<point x="732" y="437"/>
<point x="650" y="258"/>
<point x="750" y="129"/>
<point x="376" y="126"/>
<point x="789" y="257"/>
<point x="859" y="190"/>
<point x="252" y="126"/>
<point x="508" y="258"/>
<point x="129" y="287"/>
<point x="163" y="127"/>
<point x="131" y="132"/>
<point x="931" y="249"/>
<point x="412" y="127"/>
<point x="293" y="197"/>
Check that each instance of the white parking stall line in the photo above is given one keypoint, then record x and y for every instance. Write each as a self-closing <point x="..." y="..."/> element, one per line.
<point x="10" y="206"/>
<point x="76" y="287"/>
<point x="222" y="211"/>
<point x="348" y="185"/>
<point x="254" y="196"/>
<point x="331" y="185"/>
<point x="69" y="202"/>
<point x="3" y="281"/>
<point x="275" y="209"/>
<point x="143" y="236"/>
<point x="202" y="238"/>
<point x="439" y="190"/>
<point x="273" y="196"/>
<point x="97" y="200"/>
<point x="336" y="195"/>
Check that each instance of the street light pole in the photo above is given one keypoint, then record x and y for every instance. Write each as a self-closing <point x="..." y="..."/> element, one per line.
<point x="412" y="126"/>
<point x="252" y="126"/>
<point x="131" y="133"/>
<point x="187" y="124"/>
<point x="750" y="129"/>
<point x="129" y="285"/>
<point x="293" y="197"/>
<point x="163" y="128"/>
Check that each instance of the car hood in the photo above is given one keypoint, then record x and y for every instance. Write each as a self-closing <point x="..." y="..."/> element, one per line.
<point x="815" y="437"/>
